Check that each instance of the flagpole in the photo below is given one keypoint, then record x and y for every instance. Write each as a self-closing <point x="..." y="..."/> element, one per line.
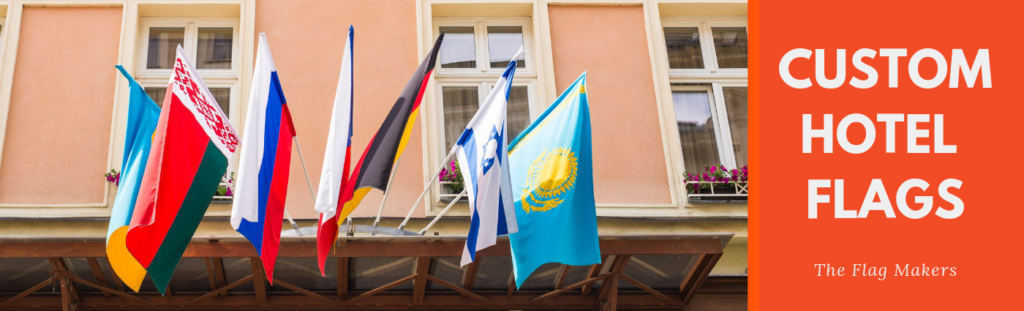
<point x="394" y="168"/>
<point x="445" y="210"/>
<point x="309" y="183"/>
<point x="425" y="188"/>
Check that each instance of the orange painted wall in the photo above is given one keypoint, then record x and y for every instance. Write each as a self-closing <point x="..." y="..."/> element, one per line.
<point x="610" y="43"/>
<point x="58" y="130"/>
<point x="307" y="39"/>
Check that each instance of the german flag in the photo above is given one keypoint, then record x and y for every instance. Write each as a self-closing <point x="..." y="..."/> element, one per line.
<point x="374" y="167"/>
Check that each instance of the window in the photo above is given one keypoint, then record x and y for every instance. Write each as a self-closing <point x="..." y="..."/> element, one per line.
<point x="705" y="46"/>
<point x="209" y="42"/>
<point x="472" y="57"/>
<point x="707" y="69"/>
<point x="712" y="129"/>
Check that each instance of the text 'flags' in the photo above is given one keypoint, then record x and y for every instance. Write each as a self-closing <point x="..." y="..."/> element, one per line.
<point x="265" y="161"/>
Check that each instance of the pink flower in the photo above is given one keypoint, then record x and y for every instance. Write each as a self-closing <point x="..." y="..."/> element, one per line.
<point x="713" y="169"/>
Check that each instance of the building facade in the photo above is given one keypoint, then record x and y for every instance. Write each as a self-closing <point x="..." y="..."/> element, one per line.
<point x="666" y="84"/>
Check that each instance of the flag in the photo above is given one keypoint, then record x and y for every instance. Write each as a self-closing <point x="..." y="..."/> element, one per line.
<point x="483" y="159"/>
<point x="192" y="143"/>
<point x="335" y="171"/>
<point x="142" y="117"/>
<point x="374" y="168"/>
<point x="264" y="163"/>
<point x="553" y="181"/>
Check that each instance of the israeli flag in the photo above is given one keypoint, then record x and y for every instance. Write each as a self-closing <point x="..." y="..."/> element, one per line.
<point x="482" y="151"/>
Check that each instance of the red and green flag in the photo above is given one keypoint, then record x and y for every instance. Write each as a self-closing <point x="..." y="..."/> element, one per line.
<point x="192" y="143"/>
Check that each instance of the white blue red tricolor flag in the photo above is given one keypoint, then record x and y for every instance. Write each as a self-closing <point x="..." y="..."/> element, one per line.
<point x="335" y="171"/>
<point x="266" y="149"/>
<point x="482" y="151"/>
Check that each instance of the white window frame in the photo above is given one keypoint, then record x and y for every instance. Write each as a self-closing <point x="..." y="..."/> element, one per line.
<point x="214" y="78"/>
<point x="711" y="78"/>
<point x="707" y="44"/>
<point x="482" y="77"/>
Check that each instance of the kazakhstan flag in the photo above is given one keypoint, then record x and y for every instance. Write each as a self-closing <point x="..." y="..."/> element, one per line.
<point x="553" y="187"/>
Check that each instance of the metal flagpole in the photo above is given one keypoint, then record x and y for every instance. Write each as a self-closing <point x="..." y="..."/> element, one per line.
<point x="394" y="168"/>
<point x="308" y="183"/>
<point x="427" y="187"/>
<point x="445" y="210"/>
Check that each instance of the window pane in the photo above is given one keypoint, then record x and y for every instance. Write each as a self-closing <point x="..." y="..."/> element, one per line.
<point x="683" y="48"/>
<point x="736" y="106"/>
<point x="223" y="98"/>
<point x="221" y="95"/>
<point x="730" y="46"/>
<point x="460" y="104"/>
<point x="459" y="48"/>
<point x="163" y="42"/>
<point x="214" y="48"/>
<point x="518" y="112"/>
<point x="157" y="94"/>
<point x="696" y="130"/>
<point x="502" y="43"/>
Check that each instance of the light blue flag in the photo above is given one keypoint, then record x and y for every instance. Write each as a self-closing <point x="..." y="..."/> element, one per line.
<point x="553" y="187"/>
<point x="143" y="115"/>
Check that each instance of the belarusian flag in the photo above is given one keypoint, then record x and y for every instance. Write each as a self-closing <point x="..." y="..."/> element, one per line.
<point x="191" y="147"/>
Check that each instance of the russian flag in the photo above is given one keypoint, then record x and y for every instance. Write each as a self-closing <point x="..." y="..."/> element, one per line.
<point x="262" y="182"/>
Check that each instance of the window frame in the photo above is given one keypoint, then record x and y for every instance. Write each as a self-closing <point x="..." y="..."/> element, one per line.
<point x="482" y="77"/>
<point x="707" y="44"/>
<point x="711" y="78"/>
<point x="717" y="111"/>
<point x="214" y="78"/>
<point x="483" y="62"/>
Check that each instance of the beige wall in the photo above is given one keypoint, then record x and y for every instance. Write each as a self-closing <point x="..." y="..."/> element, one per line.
<point x="58" y="130"/>
<point x="610" y="43"/>
<point x="307" y="39"/>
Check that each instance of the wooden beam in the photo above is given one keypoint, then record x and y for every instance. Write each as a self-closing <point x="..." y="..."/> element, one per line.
<point x="98" y="273"/>
<point x="572" y="287"/>
<point x="257" y="280"/>
<point x="391" y="247"/>
<point x="690" y="278"/>
<point x="511" y="283"/>
<point x="106" y="289"/>
<point x="594" y="270"/>
<point x="218" y="270"/>
<point x="617" y="267"/>
<point x="561" y="276"/>
<point x="304" y="291"/>
<point x="59" y="265"/>
<point x="65" y="296"/>
<point x="422" y="271"/>
<point x="29" y="291"/>
<point x="396" y="301"/>
<point x="613" y="300"/>
<point x="381" y="289"/>
<point x="209" y="273"/>
<point x="646" y="288"/>
<point x="342" y="277"/>
<point x="457" y="288"/>
<point x="703" y="269"/>
<point x="469" y="275"/>
<point x="223" y="289"/>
